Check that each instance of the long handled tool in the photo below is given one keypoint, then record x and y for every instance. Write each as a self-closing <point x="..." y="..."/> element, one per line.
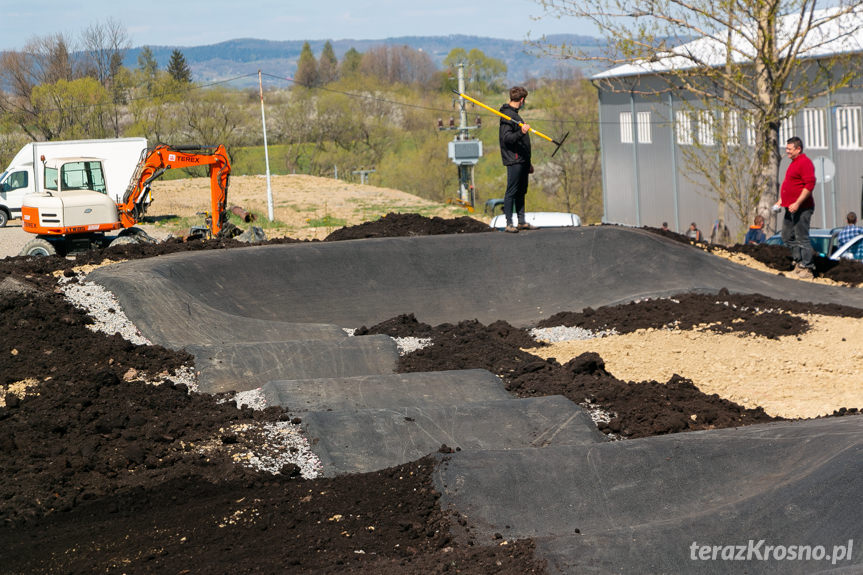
<point x="505" y="117"/>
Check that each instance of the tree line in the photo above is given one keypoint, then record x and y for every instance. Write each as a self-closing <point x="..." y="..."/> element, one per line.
<point x="377" y="109"/>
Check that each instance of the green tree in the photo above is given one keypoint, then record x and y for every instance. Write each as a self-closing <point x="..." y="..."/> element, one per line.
<point x="351" y="62"/>
<point x="148" y="67"/>
<point x="178" y="68"/>
<point x="68" y="110"/>
<point x="307" y="68"/>
<point x="328" y="65"/>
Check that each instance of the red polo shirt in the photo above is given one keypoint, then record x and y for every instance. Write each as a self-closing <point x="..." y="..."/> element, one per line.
<point x="800" y="175"/>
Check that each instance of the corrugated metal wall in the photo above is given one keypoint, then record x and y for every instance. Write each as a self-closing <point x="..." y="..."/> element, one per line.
<point x="644" y="183"/>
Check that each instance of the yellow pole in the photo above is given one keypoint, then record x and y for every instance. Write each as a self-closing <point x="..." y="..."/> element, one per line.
<point x="502" y="115"/>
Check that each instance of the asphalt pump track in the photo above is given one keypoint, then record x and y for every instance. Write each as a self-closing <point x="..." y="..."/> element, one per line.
<point x="272" y="317"/>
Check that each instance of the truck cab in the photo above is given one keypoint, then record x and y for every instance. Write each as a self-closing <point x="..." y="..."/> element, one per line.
<point x="13" y="185"/>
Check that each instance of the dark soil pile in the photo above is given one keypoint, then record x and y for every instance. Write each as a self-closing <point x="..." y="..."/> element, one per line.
<point x="106" y="473"/>
<point x="779" y="258"/>
<point x="397" y="225"/>
<point x="723" y="313"/>
<point x="638" y="409"/>
<point x="103" y="472"/>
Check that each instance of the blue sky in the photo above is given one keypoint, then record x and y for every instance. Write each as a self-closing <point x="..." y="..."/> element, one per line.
<point x="198" y="22"/>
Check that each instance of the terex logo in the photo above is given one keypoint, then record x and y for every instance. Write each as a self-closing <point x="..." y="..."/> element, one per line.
<point x="172" y="157"/>
<point x="190" y="159"/>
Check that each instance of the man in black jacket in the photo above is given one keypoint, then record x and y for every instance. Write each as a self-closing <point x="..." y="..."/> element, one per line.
<point x="515" y="153"/>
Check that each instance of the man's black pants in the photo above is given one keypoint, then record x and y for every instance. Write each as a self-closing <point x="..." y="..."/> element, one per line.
<point x="516" y="190"/>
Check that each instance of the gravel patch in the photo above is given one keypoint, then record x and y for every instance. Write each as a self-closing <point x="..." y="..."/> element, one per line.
<point x="101" y="305"/>
<point x="563" y="333"/>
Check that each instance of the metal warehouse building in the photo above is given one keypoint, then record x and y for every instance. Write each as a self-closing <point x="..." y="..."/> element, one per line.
<point x="645" y="127"/>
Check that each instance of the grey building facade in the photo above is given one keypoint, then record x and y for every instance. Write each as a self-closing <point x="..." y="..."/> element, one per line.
<point x="645" y="129"/>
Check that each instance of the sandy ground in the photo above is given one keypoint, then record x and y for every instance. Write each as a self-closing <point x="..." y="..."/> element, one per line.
<point x="751" y="371"/>
<point x="12" y="239"/>
<point x="304" y="207"/>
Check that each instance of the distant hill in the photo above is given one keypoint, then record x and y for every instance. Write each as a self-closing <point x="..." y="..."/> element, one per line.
<point x="233" y="58"/>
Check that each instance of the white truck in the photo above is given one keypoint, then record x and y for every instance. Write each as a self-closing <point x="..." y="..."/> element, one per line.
<point x="119" y="156"/>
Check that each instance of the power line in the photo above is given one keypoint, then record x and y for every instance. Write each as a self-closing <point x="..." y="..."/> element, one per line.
<point x="365" y="97"/>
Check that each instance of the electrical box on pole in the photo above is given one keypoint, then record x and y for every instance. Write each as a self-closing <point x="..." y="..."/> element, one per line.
<point x="463" y="150"/>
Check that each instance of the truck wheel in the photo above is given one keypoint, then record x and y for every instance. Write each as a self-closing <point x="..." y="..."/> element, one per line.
<point x="38" y="247"/>
<point x="4" y="217"/>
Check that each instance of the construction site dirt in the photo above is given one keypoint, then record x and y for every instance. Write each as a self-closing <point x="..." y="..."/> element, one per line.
<point x="101" y="471"/>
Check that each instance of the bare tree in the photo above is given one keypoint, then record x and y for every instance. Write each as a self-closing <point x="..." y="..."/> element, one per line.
<point x="104" y="45"/>
<point x="766" y="57"/>
<point x="398" y="64"/>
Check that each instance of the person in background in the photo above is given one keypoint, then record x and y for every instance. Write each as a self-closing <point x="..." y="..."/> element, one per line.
<point x="756" y="234"/>
<point x="850" y="231"/>
<point x="664" y="227"/>
<point x="796" y="197"/>
<point x="720" y="234"/>
<point x="693" y="233"/>
<point x="515" y="154"/>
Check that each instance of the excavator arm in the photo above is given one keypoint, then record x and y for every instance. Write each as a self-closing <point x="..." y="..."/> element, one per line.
<point x="155" y="161"/>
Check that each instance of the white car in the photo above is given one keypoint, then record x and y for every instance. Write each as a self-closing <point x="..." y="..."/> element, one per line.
<point x="541" y="220"/>
<point x="850" y="250"/>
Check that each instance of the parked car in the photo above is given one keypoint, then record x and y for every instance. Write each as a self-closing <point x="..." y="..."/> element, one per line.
<point x="541" y="220"/>
<point x="850" y="250"/>
<point x="823" y="240"/>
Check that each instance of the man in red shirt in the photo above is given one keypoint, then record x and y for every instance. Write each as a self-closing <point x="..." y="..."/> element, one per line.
<point x="797" y="199"/>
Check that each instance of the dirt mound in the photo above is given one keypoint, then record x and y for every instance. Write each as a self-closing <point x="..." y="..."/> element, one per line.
<point x="723" y="313"/>
<point x="634" y="409"/>
<point x="100" y="461"/>
<point x="779" y="258"/>
<point x="397" y="225"/>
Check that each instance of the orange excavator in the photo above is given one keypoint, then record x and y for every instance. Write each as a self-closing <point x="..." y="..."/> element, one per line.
<point x="74" y="211"/>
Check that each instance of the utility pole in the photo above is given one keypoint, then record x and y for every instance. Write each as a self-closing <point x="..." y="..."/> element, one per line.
<point x="364" y="175"/>
<point x="464" y="151"/>
<point x="266" y="152"/>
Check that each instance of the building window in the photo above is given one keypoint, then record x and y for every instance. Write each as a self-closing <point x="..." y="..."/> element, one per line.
<point x="786" y="130"/>
<point x="705" y="127"/>
<point x="814" y="134"/>
<point x="626" y="127"/>
<point x="643" y="121"/>
<point x="733" y="127"/>
<point x="683" y="127"/>
<point x="848" y="128"/>
<point x="749" y="120"/>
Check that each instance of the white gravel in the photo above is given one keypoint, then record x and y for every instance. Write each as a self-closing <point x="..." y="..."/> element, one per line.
<point x="561" y="333"/>
<point x="101" y="305"/>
